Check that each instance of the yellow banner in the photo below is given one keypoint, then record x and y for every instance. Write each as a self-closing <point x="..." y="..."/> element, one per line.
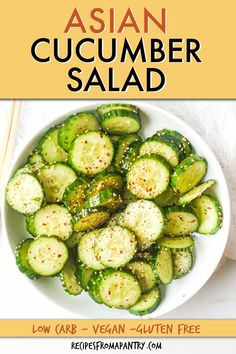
<point x="118" y="328"/>
<point x="119" y="49"/>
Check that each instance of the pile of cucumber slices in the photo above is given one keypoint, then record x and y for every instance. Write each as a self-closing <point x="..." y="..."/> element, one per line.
<point x="109" y="212"/>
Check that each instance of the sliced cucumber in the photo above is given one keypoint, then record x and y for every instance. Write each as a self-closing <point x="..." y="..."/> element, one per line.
<point x="127" y="196"/>
<point x="74" y="125"/>
<point x="86" y="251"/>
<point x="24" y="169"/>
<point x="188" y="174"/>
<point x="89" y="219"/>
<point x="144" y="273"/>
<point x="146" y="220"/>
<point x="181" y="221"/>
<point x="74" y="195"/>
<point x="148" y="176"/>
<point x="109" y="198"/>
<point x="130" y="156"/>
<point x="120" y="122"/>
<point x="114" y="246"/>
<point x="162" y="146"/>
<point x="167" y="198"/>
<point x="68" y="279"/>
<point x="147" y="302"/>
<point x="73" y="240"/>
<point x="163" y="266"/>
<point x="36" y="161"/>
<point x="122" y="147"/>
<point x="21" y="259"/>
<point x="103" y="181"/>
<point x="83" y="275"/>
<point x="177" y="243"/>
<point x="92" y="287"/>
<point x="91" y="153"/>
<point x="24" y="193"/>
<point x="195" y="192"/>
<point x="209" y="213"/>
<point x="47" y="255"/>
<point x="51" y="220"/>
<point x="182" y="262"/>
<point x="49" y="148"/>
<point x="185" y="144"/>
<point x="104" y="108"/>
<point x="118" y="289"/>
<point x="117" y="219"/>
<point x="55" y="179"/>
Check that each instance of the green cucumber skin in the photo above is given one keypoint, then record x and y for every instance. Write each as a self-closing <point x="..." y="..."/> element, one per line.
<point x="163" y="278"/>
<point x="93" y="288"/>
<point x="103" y="181"/>
<point x="64" y="155"/>
<point x="194" y="193"/>
<point x="131" y="155"/>
<point x="147" y="282"/>
<point x="80" y="183"/>
<point x="186" y="145"/>
<point x="21" y="259"/>
<point x="104" y="108"/>
<point x="83" y="275"/>
<point x="185" y="242"/>
<point x="150" y="309"/>
<point x="122" y="147"/>
<point x="164" y="133"/>
<point x="218" y="210"/>
<point x="105" y="118"/>
<point x="86" y="213"/>
<point x="64" y="134"/>
<point x="183" y="167"/>
<point x="69" y="264"/>
<point x="109" y="198"/>
<point x="29" y="223"/>
<point x="166" y="199"/>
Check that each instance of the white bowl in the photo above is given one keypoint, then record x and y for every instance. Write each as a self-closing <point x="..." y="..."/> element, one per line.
<point x="209" y="249"/>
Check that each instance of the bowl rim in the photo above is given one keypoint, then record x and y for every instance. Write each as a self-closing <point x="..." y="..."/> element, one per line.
<point x="90" y="106"/>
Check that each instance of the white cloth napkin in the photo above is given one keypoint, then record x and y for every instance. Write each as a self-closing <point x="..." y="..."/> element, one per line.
<point x="215" y="121"/>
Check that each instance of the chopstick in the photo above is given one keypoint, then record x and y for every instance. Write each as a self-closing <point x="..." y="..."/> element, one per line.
<point x="9" y="141"/>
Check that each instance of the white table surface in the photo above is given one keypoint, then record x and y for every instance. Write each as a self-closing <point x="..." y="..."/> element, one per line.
<point x="19" y="299"/>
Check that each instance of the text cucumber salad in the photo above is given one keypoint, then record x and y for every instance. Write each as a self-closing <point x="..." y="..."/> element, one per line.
<point x="109" y="212"/>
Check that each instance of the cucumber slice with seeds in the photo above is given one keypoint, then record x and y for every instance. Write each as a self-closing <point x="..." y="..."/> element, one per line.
<point x="177" y="243"/>
<point x="86" y="251"/>
<point x="163" y="267"/>
<point x="109" y="198"/>
<point x="186" y="146"/>
<point x="21" y="259"/>
<point x="114" y="246"/>
<point x="122" y="147"/>
<point x="148" y="176"/>
<point x="68" y="279"/>
<point x="146" y="220"/>
<point x="91" y="153"/>
<point x="74" y="195"/>
<point x="147" y="303"/>
<point x="209" y="213"/>
<point x="47" y="255"/>
<point x="161" y="146"/>
<point x="182" y="262"/>
<point x="181" y="221"/>
<point x="117" y="219"/>
<point x="144" y="273"/>
<point x="24" y="193"/>
<point x="195" y="192"/>
<point x="188" y="174"/>
<point x="74" y="125"/>
<point x="120" y="122"/>
<point x="55" y="179"/>
<point x="104" y="108"/>
<point x="103" y="181"/>
<point x="118" y="289"/>
<point x="36" y="161"/>
<point x="49" y="148"/>
<point x="51" y="220"/>
<point x="24" y="169"/>
<point x="89" y="219"/>
<point x="92" y="287"/>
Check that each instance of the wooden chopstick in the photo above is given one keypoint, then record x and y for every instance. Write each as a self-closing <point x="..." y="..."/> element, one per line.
<point x="9" y="141"/>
